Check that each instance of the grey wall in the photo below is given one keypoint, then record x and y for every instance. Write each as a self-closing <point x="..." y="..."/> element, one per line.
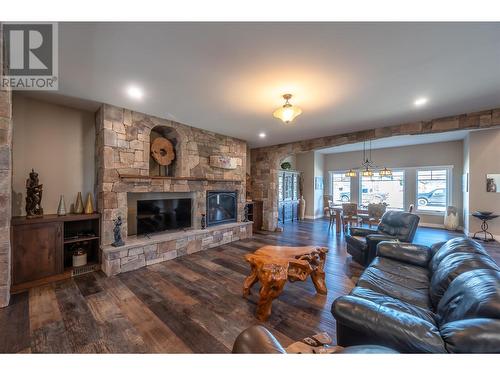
<point x="305" y="164"/>
<point x="484" y="158"/>
<point x="311" y="165"/>
<point x="58" y="142"/>
<point x="434" y="154"/>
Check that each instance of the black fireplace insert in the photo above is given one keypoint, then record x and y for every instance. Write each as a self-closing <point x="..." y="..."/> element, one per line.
<point x="222" y="207"/>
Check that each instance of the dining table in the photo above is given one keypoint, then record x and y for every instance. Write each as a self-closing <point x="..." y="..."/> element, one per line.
<point x="339" y="222"/>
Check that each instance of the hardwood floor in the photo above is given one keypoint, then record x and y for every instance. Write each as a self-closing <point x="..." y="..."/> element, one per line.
<point x="190" y="304"/>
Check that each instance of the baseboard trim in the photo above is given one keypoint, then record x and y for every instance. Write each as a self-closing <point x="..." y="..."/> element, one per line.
<point x="439" y="226"/>
<point x="313" y="217"/>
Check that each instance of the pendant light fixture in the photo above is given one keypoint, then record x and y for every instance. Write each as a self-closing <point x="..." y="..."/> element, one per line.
<point x="385" y="172"/>
<point x="288" y="111"/>
<point x="367" y="165"/>
<point x="351" y="173"/>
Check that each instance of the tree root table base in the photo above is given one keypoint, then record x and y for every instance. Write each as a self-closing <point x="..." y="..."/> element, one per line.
<point x="272" y="266"/>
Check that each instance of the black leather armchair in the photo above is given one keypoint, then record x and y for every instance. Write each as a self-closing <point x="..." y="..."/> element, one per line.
<point x="395" y="225"/>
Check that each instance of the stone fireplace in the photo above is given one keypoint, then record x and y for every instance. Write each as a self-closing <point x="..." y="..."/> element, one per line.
<point x="123" y="170"/>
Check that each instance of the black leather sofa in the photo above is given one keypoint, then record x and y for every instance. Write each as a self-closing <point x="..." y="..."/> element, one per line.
<point x="416" y="299"/>
<point x="362" y="242"/>
<point x="258" y="340"/>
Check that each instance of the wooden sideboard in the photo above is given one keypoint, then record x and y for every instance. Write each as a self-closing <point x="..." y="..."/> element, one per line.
<point x="42" y="248"/>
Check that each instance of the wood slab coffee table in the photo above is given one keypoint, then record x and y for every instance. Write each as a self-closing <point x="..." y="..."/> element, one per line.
<point x="272" y="266"/>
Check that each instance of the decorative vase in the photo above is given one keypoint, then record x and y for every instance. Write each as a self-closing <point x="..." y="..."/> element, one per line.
<point x="61" y="208"/>
<point x="79" y="204"/>
<point x="451" y="218"/>
<point x="89" y="205"/>
<point x="302" y="208"/>
<point x="203" y="221"/>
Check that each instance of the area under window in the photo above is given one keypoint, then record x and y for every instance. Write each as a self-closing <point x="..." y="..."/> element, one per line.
<point x="432" y="189"/>
<point x="388" y="190"/>
<point x="341" y="188"/>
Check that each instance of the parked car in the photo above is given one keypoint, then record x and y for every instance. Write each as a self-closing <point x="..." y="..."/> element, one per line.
<point x="345" y="197"/>
<point x="436" y="197"/>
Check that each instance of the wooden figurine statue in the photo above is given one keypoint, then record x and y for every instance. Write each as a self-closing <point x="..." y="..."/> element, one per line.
<point x="117" y="231"/>
<point x="33" y="196"/>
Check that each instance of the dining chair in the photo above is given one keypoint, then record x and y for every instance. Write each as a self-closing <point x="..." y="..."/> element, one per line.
<point x="350" y="214"/>
<point x="374" y="214"/>
<point x="327" y="203"/>
<point x="331" y="214"/>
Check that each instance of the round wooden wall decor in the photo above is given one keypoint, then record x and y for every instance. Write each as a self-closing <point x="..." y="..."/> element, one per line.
<point x="162" y="151"/>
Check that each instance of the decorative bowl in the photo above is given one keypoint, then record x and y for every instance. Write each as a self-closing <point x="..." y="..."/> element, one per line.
<point x="484" y="213"/>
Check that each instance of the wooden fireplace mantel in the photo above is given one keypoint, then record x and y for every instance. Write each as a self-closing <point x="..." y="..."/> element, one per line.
<point x="141" y="177"/>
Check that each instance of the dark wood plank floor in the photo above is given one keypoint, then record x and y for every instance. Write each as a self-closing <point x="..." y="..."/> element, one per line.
<point x="190" y="304"/>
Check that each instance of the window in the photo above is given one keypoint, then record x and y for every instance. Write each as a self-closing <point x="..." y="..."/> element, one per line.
<point x="432" y="189"/>
<point x="341" y="188"/>
<point x="389" y="190"/>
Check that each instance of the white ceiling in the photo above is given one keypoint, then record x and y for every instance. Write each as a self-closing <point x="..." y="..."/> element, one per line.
<point x="229" y="77"/>
<point x="399" y="141"/>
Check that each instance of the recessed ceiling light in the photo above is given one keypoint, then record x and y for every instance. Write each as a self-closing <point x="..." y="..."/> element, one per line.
<point x="135" y="92"/>
<point x="420" y="102"/>
<point x="262" y="135"/>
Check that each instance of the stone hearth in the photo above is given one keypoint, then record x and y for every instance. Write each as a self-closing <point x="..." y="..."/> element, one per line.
<point x="143" y="251"/>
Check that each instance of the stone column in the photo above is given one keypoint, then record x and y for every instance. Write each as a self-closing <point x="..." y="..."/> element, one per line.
<point x="264" y="175"/>
<point x="5" y="189"/>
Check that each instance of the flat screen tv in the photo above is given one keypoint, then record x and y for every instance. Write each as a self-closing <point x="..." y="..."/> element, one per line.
<point x="158" y="215"/>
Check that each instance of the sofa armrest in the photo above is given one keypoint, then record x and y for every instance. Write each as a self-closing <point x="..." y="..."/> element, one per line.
<point x="372" y="240"/>
<point x="472" y="336"/>
<point x="257" y="340"/>
<point x="379" y="237"/>
<point x="418" y="255"/>
<point x="363" y="232"/>
<point x="387" y="327"/>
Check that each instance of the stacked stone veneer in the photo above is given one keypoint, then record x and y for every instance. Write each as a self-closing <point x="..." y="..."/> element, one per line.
<point x="5" y="189"/>
<point x="138" y="253"/>
<point x="266" y="160"/>
<point x="123" y="148"/>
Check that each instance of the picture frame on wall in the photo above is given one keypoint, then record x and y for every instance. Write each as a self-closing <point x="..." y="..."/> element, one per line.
<point x="318" y="183"/>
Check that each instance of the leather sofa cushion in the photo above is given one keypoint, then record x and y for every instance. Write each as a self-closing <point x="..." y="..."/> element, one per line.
<point x="418" y="255"/>
<point x="357" y="241"/>
<point x="394" y="303"/>
<point x="435" y="247"/>
<point x="455" y="245"/>
<point x="454" y="265"/>
<point x="472" y="336"/>
<point x="473" y="294"/>
<point x="399" y="224"/>
<point x="392" y="285"/>
<point x="385" y="326"/>
<point x="402" y="269"/>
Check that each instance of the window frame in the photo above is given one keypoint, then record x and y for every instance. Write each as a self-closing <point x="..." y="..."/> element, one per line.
<point x="360" y="193"/>
<point x="449" y="188"/>
<point x="332" y="183"/>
